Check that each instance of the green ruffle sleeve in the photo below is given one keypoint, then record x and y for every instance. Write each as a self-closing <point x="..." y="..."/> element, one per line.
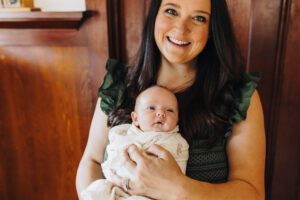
<point x="242" y="103"/>
<point x="113" y="86"/>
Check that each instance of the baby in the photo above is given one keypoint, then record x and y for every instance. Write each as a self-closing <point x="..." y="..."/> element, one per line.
<point x="154" y="121"/>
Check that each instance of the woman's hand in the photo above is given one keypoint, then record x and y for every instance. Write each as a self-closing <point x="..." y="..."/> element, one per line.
<point x="153" y="172"/>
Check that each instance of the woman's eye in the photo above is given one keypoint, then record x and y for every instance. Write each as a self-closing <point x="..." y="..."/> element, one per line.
<point x="200" y="19"/>
<point x="171" y="11"/>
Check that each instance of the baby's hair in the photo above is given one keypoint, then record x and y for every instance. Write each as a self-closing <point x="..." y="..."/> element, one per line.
<point x="159" y="86"/>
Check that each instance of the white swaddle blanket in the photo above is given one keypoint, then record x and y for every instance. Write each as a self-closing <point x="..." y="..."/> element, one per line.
<point x="120" y="137"/>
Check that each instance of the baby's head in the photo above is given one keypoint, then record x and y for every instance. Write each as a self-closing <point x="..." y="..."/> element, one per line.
<point x="156" y="109"/>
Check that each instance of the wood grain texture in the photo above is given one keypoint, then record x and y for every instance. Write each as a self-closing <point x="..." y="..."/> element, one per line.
<point x="48" y="91"/>
<point x="133" y="26"/>
<point x="20" y="20"/>
<point x="285" y="182"/>
<point x="27" y="37"/>
<point x="44" y="119"/>
<point x="264" y="51"/>
<point x="263" y="47"/>
<point x="125" y="32"/>
<point x="95" y="30"/>
<point x="240" y="12"/>
<point x="116" y="31"/>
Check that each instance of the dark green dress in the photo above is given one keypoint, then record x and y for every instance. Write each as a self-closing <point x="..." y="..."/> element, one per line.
<point x="205" y="163"/>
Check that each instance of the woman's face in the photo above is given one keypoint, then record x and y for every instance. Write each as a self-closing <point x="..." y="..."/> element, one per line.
<point x="181" y="29"/>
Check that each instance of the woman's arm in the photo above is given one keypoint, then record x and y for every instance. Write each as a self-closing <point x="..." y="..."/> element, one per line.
<point x="246" y="157"/>
<point x="89" y="167"/>
<point x="160" y="177"/>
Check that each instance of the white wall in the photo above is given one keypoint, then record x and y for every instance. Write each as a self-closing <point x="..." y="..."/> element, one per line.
<point x="60" y="5"/>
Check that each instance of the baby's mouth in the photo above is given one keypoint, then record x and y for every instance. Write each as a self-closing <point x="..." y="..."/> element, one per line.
<point x="158" y="123"/>
<point x="177" y="42"/>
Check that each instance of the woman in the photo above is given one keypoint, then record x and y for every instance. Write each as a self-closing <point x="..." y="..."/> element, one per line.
<point x="188" y="47"/>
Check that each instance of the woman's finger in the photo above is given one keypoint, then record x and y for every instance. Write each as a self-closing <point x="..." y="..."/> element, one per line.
<point x="135" y="154"/>
<point x="116" y="179"/>
<point x="123" y="183"/>
<point x="158" y="151"/>
<point x="128" y="162"/>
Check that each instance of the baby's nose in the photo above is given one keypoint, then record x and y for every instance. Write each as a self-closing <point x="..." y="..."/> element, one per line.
<point x="160" y="113"/>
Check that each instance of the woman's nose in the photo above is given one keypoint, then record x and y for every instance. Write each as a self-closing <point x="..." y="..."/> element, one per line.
<point x="182" y="26"/>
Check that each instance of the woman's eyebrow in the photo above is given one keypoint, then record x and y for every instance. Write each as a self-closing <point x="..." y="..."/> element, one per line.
<point x="172" y="4"/>
<point x="202" y="12"/>
<point x="196" y="11"/>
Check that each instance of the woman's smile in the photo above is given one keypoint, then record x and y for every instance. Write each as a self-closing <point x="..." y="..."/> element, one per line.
<point x="177" y="42"/>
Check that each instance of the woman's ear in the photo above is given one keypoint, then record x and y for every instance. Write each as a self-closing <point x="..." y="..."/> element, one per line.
<point x="134" y="119"/>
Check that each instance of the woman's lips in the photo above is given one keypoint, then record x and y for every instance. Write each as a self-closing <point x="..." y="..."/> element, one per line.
<point x="178" y="42"/>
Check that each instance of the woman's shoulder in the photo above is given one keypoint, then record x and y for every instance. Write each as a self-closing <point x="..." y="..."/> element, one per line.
<point x="251" y="81"/>
<point x="113" y="86"/>
<point x="242" y="102"/>
<point x="115" y="67"/>
<point x="115" y="73"/>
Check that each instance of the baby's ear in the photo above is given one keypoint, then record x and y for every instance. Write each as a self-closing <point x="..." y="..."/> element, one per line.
<point x="134" y="119"/>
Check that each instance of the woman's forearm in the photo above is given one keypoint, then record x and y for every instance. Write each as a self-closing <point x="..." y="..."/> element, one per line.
<point x="190" y="189"/>
<point x="89" y="168"/>
<point x="88" y="171"/>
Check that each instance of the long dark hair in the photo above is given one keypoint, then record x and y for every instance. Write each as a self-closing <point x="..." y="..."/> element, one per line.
<point x="205" y="107"/>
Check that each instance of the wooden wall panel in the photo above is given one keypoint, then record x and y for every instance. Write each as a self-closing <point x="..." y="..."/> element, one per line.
<point x="48" y="91"/>
<point x="240" y="12"/>
<point x="285" y="184"/>
<point x="44" y="118"/>
<point x="263" y="47"/>
<point x="125" y="32"/>
<point x="27" y="37"/>
<point x="95" y="30"/>
<point x="263" y="53"/>
<point x="133" y="26"/>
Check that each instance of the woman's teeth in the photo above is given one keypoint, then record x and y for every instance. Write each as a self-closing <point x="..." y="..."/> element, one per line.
<point x="178" y="42"/>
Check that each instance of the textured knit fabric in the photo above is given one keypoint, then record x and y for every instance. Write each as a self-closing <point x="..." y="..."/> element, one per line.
<point x="205" y="163"/>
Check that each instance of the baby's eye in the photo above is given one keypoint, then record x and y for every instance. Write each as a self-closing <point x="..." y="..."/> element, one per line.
<point x="151" y="108"/>
<point x="200" y="19"/>
<point x="170" y="110"/>
<point x="171" y="11"/>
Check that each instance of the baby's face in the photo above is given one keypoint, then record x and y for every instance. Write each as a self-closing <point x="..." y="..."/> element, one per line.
<point x="156" y="110"/>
